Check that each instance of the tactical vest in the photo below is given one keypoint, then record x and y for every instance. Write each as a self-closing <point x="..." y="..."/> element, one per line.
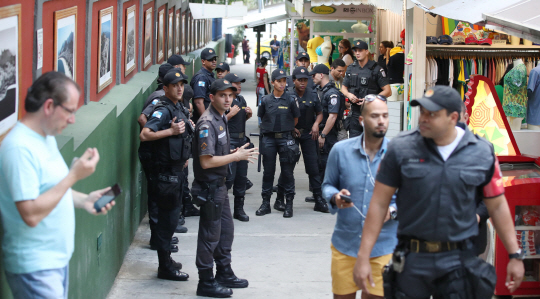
<point x="362" y="84"/>
<point x="277" y="111"/>
<point x="324" y="95"/>
<point x="179" y="145"/>
<point x="307" y="108"/>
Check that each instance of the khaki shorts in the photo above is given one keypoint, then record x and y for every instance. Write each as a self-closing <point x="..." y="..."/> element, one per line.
<point x="342" y="273"/>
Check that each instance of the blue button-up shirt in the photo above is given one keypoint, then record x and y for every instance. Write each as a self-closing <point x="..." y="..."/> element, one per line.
<point x="347" y="168"/>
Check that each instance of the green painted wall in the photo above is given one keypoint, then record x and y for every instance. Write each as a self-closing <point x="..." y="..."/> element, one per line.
<point x="111" y="126"/>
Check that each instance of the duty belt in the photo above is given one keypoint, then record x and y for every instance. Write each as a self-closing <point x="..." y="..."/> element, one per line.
<point x="237" y="135"/>
<point x="278" y="135"/>
<point x="220" y="181"/>
<point x="301" y="131"/>
<point x="433" y="246"/>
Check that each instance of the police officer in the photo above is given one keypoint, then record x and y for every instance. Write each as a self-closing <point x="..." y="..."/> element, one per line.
<point x="178" y="62"/>
<point x="333" y="104"/>
<point x="201" y="82"/>
<point x="438" y="170"/>
<point x="302" y="60"/>
<point x="279" y="115"/>
<point x="363" y="77"/>
<point x="211" y="159"/>
<point x="222" y="69"/>
<point x="149" y="164"/>
<point x="307" y="134"/>
<point x="171" y="131"/>
<point x="237" y="116"/>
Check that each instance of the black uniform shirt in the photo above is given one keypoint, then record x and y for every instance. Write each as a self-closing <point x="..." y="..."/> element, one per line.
<point x="437" y="199"/>
<point x="309" y="105"/>
<point x="396" y="66"/>
<point x="151" y="101"/>
<point x="200" y="83"/>
<point x="211" y="138"/>
<point x="237" y="124"/>
<point x="271" y="100"/>
<point x="361" y="76"/>
<point x="168" y="149"/>
<point x="290" y="83"/>
<point x="331" y="102"/>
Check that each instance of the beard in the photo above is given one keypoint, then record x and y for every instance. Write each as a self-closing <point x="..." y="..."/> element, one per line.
<point x="378" y="134"/>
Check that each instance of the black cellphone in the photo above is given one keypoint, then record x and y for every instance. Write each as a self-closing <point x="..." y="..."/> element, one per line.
<point x="345" y="198"/>
<point x="107" y="197"/>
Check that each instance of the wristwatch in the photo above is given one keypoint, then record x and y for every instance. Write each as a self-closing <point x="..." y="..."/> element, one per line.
<point x="322" y="135"/>
<point x="520" y="255"/>
<point x="393" y="213"/>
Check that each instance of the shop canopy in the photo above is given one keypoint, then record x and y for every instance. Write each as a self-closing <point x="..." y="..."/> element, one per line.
<point x="268" y="15"/>
<point x="515" y="17"/>
<point x="209" y="11"/>
<point x="392" y="5"/>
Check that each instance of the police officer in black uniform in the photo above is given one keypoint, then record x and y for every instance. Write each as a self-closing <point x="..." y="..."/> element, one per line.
<point x="307" y="134"/>
<point x="237" y="116"/>
<point x="171" y="132"/>
<point x="211" y="159"/>
<point x="279" y="115"/>
<point x="438" y="171"/>
<point x="201" y="82"/>
<point x="363" y="77"/>
<point x="302" y="60"/>
<point x="333" y="105"/>
<point x="222" y="70"/>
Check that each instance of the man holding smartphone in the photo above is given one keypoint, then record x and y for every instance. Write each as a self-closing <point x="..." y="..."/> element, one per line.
<point x="36" y="201"/>
<point x="169" y="129"/>
<point x="352" y="166"/>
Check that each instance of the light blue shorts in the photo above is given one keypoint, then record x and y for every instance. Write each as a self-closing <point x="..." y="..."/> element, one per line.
<point x="44" y="284"/>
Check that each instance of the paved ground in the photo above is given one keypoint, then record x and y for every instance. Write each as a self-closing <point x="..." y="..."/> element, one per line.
<point x="281" y="258"/>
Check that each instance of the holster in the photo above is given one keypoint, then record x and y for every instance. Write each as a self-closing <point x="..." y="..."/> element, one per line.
<point x="480" y="275"/>
<point x="205" y="199"/>
<point x="290" y="153"/>
<point x="389" y="281"/>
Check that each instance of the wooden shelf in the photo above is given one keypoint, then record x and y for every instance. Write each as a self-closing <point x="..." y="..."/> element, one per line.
<point x="483" y="47"/>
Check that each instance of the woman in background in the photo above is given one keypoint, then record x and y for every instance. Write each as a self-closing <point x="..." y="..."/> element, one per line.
<point x="384" y="49"/>
<point x="345" y="51"/>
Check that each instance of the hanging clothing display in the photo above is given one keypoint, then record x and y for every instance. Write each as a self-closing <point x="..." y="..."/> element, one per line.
<point x="515" y="92"/>
<point x="533" y="92"/>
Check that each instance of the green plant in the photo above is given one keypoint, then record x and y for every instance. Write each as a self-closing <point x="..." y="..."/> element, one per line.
<point x="237" y="39"/>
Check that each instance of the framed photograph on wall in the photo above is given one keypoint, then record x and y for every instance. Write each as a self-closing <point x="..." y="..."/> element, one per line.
<point x="170" y="38"/>
<point x="65" y="41"/>
<point x="105" y="46"/>
<point x="130" y="40"/>
<point x="10" y="61"/>
<point x="147" y="36"/>
<point x="161" y="33"/>
<point x="177" y="33"/>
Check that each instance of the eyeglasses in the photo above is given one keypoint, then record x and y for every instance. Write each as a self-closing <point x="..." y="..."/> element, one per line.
<point x="373" y="97"/>
<point x="213" y="59"/>
<point x="71" y="112"/>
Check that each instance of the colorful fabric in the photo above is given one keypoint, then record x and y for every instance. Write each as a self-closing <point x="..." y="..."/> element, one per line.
<point x="515" y="92"/>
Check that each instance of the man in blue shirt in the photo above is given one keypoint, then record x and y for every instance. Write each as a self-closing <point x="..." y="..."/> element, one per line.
<point x="274" y="45"/>
<point x="36" y="201"/>
<point x="200" y="83"/>
<point x="351" y="169"/>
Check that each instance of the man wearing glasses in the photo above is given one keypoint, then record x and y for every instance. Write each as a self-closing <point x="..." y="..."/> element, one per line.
<point x="200" y="83"/>
<point x="352" y="167"/>
<point x="36" y="201"/>
<point x="333" y="103"/>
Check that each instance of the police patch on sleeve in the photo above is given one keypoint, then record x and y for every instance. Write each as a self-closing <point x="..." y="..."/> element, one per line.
<point x="155" y="101"/>
<point x="202" y="83"/>
<point x="383" y="73"/>
<point x="333" y="99"/>
<point x="157" y="114"/>
<point x="203" y="133"/>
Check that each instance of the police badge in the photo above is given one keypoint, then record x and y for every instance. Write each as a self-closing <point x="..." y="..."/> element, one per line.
<point x="363" y="80"/>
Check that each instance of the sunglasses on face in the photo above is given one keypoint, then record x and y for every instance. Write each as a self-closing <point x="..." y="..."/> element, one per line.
<point x="213" y="59"/>
<point x="373" y="97"/>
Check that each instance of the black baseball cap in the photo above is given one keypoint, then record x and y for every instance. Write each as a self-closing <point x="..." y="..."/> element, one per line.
<point x="163" y="69"/>
<point x="444" y="40"/>
<point x="440" y="97"/>
<point x="176" y="60"/>
<point x="173" y="76"/>
<point x="431" y="40"/>
<point x="223" y="66"/>
<point x="302" y="55"/>
<point x="320" y="69"/>
<point x="360" y="44"/>
<point x="278" y="74"/>
<point x="221" y="84"/>
<point x="208" y="53"/>
<point x="234" y="78"/>
<point x="300" y="72"/>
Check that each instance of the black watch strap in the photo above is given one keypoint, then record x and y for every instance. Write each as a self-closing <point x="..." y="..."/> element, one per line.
<point x="520" y="255"/>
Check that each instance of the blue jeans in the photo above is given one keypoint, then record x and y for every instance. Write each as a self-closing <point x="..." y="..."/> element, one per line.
<point x="46" y="284"/>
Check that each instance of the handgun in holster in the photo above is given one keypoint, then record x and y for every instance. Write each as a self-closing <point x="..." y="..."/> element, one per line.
<point x="205" y="200"/>
<point x="391" y="270"/>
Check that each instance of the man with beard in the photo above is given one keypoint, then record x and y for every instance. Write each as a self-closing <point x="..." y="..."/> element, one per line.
<point x="351" y="168"/>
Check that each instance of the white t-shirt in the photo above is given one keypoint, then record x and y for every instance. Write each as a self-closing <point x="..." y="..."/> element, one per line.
<point x="447" y="150"/>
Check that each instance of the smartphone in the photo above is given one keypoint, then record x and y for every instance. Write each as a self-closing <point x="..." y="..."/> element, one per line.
<point x="107" y="197"/>
<point x="346" y="198"/>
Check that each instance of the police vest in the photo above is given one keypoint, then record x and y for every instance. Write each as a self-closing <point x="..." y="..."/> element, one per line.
<point x="363" y="81"/>
<point x="179" y="145"/>
<point x="277" y="111"/>
<point x="324" y="95"/>
<point x="306" y="106"/>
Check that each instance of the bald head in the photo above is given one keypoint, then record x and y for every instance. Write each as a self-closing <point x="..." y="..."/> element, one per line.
<point x="375" y="118"/>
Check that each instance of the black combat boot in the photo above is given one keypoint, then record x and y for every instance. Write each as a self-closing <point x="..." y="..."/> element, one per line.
<point x="225" y="276"/>
<point x="288" y="207"/>
<point x="189" y="208"/>
<point x="265" y="207"/>
<point x="168" y="268"/>
<point x="310" y="199"/>
<point x="280" y="202"/>
<point x="320" y="204"/>
<point x="180" y="229"/>
<point x="249" y="184"/>
<point x="209" y="287"/>
<point x="275" y="188"/>
<point x="239" y="209"/>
